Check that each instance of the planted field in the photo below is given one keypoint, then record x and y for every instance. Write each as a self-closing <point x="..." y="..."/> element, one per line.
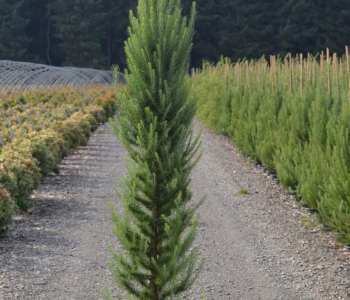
<point x="250" y="234"/>
<point x="293" y="116"/>
<point x="44" y="112"/>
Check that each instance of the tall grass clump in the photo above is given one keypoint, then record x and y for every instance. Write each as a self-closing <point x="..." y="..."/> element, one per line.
<point x="293" y="116"/>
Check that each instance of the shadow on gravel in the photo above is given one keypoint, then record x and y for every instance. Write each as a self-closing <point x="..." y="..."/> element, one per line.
<point x="56" y="236"/>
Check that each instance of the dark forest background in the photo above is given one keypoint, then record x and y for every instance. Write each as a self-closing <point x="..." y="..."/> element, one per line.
<point x="91" y="33"/>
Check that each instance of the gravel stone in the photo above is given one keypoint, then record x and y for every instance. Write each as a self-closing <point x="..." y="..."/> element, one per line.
<point x="257" y="245"/>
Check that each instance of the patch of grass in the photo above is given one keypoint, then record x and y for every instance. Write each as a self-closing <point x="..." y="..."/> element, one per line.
<point x="305" y="221"/>
<point x="343" y="258"/>
<point x="308" y="222"/>
<point x="242" y="191"/>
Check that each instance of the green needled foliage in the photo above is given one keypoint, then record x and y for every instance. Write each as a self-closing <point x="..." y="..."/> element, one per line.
<point x="293" y="116"/>
<point x="155" y="126"/>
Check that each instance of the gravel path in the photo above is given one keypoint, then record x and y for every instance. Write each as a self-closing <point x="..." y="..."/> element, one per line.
<point x="256" y="245"/>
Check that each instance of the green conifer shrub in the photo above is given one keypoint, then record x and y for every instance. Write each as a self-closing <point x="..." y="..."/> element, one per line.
<point x="158" y="226"/>
<point x="294" y="117"/>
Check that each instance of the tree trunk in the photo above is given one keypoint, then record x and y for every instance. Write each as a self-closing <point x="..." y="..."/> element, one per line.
<point x="154" y="255"/>
<point x="108" y="51"/>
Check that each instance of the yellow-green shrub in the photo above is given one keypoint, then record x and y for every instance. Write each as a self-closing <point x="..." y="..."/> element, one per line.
<point x="6" y="209"/>
<point x="32" y="154"/>
<point x="22" y="169"/>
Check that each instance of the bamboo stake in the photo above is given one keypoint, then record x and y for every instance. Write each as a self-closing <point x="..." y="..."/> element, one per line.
<point x="266" y="68"/>
<point x="335" y="68"/>
<point x="259" y="73"/>
<point x="277" y="72"/>
<point x="347" y="61"/>
<point x="271" y="74"/>
<point x="291" y="73"/>
<point x="296" y="73"/>
<point x="248" y="79"/>
<point x="285" y="81"/>
<point x="308" y="71"/>
<point x="336" y="73"/>
<point x="237" y="75"/>
<point x="240" y="81"/>
<point x="328" y="71"/>
<point x="301" y="74"/>
<point x="348" y="70"/>
<point x="341" y="74"/>
<point x="322" y="69"/>
<point x="315" y="67"/>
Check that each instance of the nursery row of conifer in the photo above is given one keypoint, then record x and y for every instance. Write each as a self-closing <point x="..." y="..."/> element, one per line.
<point x="30" y="154"/>
<point x="293" y="116"/>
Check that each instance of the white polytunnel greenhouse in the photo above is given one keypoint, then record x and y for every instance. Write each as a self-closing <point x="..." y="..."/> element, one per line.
<point x="34" y="95"/>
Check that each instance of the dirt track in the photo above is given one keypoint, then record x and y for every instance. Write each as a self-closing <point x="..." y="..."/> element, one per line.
<point x="255" y="244"/>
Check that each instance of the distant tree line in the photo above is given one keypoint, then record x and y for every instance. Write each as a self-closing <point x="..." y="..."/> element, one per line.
<point x="81" y="33"/>
<point x="91" y="33"/>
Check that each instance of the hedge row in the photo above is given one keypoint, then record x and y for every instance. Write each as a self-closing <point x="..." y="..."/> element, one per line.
<point x="293" y="116"/>
<point x="29" y="157"/>
<point x="36" y="109"/>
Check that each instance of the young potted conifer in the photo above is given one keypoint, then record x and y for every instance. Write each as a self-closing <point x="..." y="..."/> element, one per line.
<point x="154" y="124"/>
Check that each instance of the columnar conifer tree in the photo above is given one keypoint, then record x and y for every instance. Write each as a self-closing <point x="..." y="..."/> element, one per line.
<point x="154" y="124"/>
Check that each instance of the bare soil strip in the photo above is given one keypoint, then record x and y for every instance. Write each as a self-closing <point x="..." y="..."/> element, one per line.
<point x="255" y="245"/>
